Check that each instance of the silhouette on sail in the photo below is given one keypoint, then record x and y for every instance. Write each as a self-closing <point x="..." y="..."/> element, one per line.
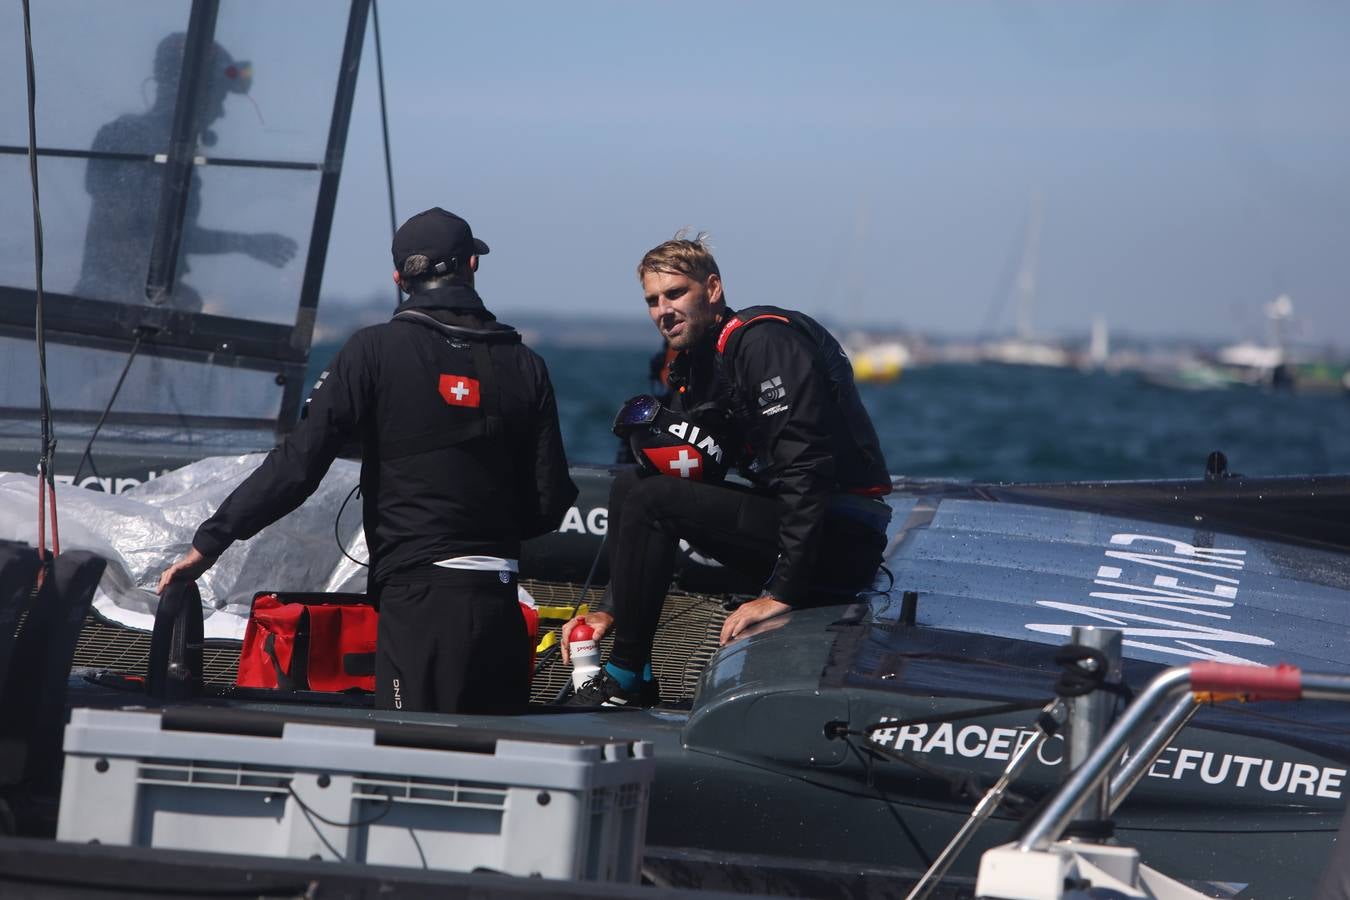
<point x="127" y="199"/>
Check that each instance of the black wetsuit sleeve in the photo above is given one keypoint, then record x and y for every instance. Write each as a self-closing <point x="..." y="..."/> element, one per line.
<point x="554" y="492"/>
<point x="293" y="470"/>
<point x="785" y="401"/>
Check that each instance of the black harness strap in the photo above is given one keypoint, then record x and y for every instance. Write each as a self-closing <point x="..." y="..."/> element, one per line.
<point x="488" y="401"/>
<point x="434" y="440"/>
<point x="503" y="335"/>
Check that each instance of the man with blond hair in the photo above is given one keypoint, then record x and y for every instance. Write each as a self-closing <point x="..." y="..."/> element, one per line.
<point x="810" y="522"/>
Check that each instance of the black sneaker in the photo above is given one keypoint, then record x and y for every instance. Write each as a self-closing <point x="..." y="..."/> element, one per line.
<point x="604" y="690"/>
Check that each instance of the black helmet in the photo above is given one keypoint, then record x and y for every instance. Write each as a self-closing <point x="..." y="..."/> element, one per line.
<point x="669" y="444"/>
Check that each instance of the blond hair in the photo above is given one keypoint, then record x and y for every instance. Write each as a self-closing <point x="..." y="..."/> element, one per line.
<point x="681" y="255"/>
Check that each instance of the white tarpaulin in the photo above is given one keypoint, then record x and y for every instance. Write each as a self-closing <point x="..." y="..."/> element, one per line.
<point x="144" y="529"/>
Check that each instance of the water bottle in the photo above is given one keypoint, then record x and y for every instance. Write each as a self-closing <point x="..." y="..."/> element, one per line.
<point x="585" y="653"/>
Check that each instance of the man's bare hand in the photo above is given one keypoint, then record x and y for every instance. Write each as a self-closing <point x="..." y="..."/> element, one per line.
<point x="271" y="248"/>
<point x="751" y="613"/>
<point x="600" y="621"/>
<point x="190" y="567"/>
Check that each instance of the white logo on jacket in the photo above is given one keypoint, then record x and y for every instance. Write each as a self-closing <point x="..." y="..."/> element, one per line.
<point x="771" y="390"/>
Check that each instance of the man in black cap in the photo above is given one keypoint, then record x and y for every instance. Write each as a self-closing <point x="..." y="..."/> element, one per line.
<point x="461" y="460"/>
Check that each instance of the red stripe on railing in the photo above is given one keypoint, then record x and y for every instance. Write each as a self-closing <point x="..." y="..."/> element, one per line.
<point x="1283" y="682"/>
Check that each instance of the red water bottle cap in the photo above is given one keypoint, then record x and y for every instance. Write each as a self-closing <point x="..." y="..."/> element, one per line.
<point x="581" y="632"/>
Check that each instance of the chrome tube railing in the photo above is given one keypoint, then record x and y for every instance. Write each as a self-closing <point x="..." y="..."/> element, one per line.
<point x="1218" y="681"/>
<point x="1148" y="750"/>
<point x="1324" y="687"/>
<point x="1088" y="777"/>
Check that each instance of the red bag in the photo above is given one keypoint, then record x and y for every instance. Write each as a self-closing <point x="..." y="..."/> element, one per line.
<point x="321" y="642"/>
<point x="309" y="642"/>
<point x="531" y="615"/>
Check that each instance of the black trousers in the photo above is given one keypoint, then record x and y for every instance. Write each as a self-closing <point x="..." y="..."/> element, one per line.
<point x="451" y="640"/>
<point x="650" y="514"/>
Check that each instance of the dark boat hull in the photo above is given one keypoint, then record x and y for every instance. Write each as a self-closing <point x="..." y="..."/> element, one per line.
<point x="770" y="779"/>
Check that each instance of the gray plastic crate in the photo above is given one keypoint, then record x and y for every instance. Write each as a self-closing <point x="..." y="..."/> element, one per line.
<point x="320" y="791"/>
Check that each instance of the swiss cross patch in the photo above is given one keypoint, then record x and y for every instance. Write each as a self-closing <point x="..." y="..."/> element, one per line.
<point x="682" y="462"/>
<point x="459" y="390"/>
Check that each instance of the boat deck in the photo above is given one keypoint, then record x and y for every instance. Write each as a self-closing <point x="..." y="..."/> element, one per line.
<point x="686" y="640"/>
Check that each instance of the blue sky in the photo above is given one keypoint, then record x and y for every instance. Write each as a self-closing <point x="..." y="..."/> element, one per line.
<point x="876" y="161"/>
<point x="865" y="162"/>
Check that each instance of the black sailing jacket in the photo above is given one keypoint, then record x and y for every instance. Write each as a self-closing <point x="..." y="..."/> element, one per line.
<point x="455" y="460"/>
<point x="789" y="389"/>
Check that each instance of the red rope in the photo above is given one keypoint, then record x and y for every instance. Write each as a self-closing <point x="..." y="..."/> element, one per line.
<point x="42" y="510"/>
<point x="56" y="533"/>
<point x="45" y="486"/>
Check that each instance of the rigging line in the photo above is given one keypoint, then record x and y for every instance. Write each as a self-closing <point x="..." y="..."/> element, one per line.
<point x="1003" y="291"/>
<point x="384" y="131"/>
<point x="310" y="814"/>
<point x="412" y="833"/>
<point x="337" y="535"/>
<point x="85" y="457"/>
<point x="889" y="587"/>
<point x="1046" y="726"/>
<point x="915" y="844"/>
<point x="962" y="782"/>
<point x="556" y="649"/>
<point x="46" y="480"/>
<point x="590" y="576"/>
<point x="92" y="468"/>
<point x="959" y="715"/>
<point x="387" y="796"/>
<point x="323" y="838"/>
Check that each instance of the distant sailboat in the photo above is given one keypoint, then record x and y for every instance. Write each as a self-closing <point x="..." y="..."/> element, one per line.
<point x="875" y="358"/>
<point x="1022" y="349"/>
<point x="1099" y="346"/>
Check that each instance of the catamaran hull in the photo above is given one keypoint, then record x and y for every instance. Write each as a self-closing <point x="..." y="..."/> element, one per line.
<point x="797" y="760"/>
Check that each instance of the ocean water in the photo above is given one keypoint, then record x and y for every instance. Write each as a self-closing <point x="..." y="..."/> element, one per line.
<point x="1007" y="423"/>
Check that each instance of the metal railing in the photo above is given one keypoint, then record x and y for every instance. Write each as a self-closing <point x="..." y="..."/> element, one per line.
<point x="1181" y="685"/>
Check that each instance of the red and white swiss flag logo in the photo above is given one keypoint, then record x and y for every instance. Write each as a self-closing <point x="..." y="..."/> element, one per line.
<point x="459" y="390"/>
<point x="682" y="462"/>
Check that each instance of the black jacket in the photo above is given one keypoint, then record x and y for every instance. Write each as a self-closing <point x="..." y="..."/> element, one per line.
<point x="455" y="460"/>
<point x="793" y="405"/>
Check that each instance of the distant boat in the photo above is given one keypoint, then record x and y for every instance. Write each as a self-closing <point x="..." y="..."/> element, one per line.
<point x="1194" y="375"/>
<point x="1025" y="352"/>
<point x="1023" y="349"/>
<point x="877" y="360"/>
<point x="1249" y="363"/>
<point x="1259" y="360"/>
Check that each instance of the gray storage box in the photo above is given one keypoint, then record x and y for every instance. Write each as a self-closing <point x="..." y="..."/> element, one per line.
<point x="570" y="809"/>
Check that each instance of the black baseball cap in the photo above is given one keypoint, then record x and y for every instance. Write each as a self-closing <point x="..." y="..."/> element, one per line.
<point x="438" y="235"/>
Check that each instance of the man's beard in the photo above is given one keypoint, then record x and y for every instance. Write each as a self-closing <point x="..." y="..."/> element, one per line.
<point x="678" y="342"/>
<point x="694" y="331"/>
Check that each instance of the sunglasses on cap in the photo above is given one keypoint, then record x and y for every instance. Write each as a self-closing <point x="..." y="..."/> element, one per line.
<point x="238" y="77"/>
